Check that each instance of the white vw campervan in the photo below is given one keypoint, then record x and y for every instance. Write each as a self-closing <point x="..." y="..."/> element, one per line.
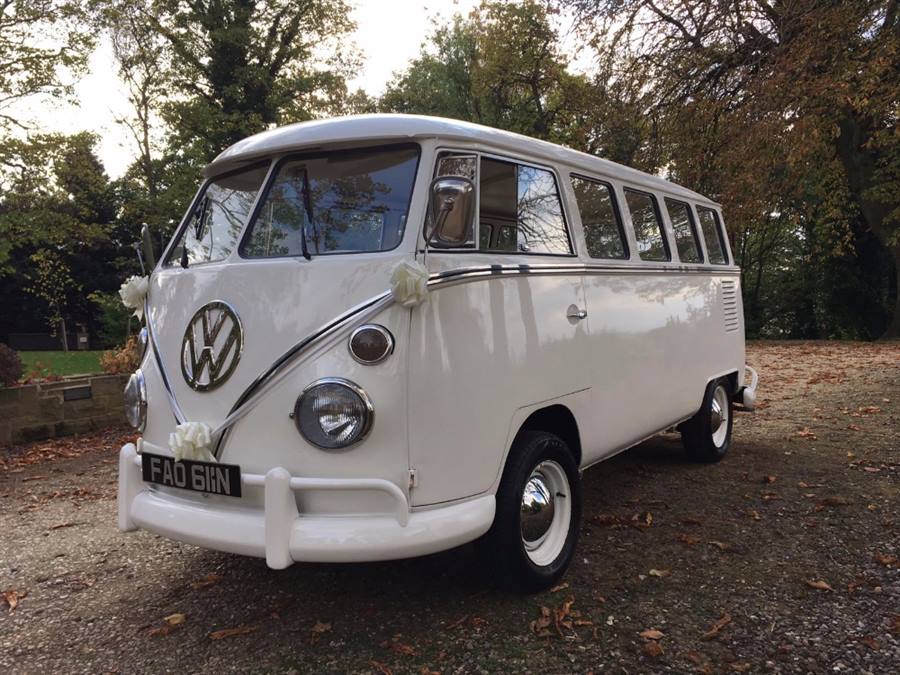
<point x="382" y="336"/>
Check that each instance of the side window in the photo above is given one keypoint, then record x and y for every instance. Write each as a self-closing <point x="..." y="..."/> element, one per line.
<point x="712" y="235"/>
<point x="648" y="230"/>
<point x="600" y="218"/>
<point x="685" y="231"/>
<point x="457" y="164"/>
<point x="521" y="209"/>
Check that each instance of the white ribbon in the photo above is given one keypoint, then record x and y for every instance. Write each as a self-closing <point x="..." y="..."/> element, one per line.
<point x="192" y="440"/>
<point x="409" y="283"/>
<point x="133" y="291"/>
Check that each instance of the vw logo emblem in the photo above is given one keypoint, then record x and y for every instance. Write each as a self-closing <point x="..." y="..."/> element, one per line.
<point x="212" y="346"/>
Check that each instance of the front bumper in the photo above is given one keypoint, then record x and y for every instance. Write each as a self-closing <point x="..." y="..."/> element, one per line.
<point x="282" y="535"/>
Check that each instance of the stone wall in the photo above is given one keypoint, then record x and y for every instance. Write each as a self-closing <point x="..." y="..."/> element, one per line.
<point x="74" y="405"/>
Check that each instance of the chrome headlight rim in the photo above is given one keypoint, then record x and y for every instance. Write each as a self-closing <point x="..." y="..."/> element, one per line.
<point x="367" y="422"/>
<point x="137" y="377"/>
<point x="385" y="333"/>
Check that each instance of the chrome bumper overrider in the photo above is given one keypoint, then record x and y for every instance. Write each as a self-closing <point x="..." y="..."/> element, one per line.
<point x="282" y="535"/>
<point x="747" y="395"/>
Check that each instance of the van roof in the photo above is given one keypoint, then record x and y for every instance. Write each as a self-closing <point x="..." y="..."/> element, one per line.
<point x="393" y="127"/>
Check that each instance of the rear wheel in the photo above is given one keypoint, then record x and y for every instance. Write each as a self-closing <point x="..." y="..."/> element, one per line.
<point x="538" y="513"/>
<point x="707" y="435"/>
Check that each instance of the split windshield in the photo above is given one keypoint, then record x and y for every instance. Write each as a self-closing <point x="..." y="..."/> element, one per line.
<point x="348" y="201"/>
<point x="214" y="226"/>
<point x="340" y="202"/>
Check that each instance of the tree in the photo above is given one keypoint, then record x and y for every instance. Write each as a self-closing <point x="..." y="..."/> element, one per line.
<point x="733" y="80"/>
<point x="51" y="282"/>
<point x="30" y="63"/>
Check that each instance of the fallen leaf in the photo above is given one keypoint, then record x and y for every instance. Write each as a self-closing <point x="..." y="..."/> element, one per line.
<point x="642" y="520"/>
<point x="721" y="545"/>
<point x="819" y="585"/>
<point x="810" y="485"/>
<point x="806" y="432"/>
<point x="320" y="627"/>
<point x="854" y="427"/>
<point x="31" y="478"/>
<point x="232" y="632"/>
<point x="161" y="630"/>
<point x="660" y="573"/>
<point x="605" y="520"/>
<point x="894" y="626"/>
<point x="62" y="525"/>
<point x="206" y="582"/>
<point x="885" y="559"/>
<point x="871" y="469"/>
<point x="691" y="521"/>
<point x="754" y="514"/>
<point x="870" y="642"/>
<point x="381" y="668"/>
<point x="174" y="619"/>
<point x="739" y="666"/>
<point x="398" y="647"/>
<point x="12" y="598"/>
<point x="716" y="627"/>
<point x="770" y="497"/>
<point x="870" y="410"/>
<point x="769" y="479"/>
<point x="425" y="670"/>
<point x="559" y="587"/>
<point x="651" y="634"/>
<point x="688" y="539"/>
<point x="653" y="649"/>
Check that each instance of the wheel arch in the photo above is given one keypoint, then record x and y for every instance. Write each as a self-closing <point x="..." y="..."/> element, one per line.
<point x="556" y="419"/>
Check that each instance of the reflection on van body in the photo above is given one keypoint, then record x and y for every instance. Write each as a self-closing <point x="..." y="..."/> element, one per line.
<point x="384" y="377"/>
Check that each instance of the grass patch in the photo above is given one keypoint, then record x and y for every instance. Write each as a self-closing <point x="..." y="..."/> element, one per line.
<point x="42" y="364"/>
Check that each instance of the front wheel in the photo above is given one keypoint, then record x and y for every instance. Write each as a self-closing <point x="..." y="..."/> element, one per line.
<point x="707" y="435"/>
<point x="537" y="521"/>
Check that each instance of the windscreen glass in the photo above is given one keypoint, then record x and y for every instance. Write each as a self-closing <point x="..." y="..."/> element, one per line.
<point x="339" y="202"/>
<point x="215" y="223"/>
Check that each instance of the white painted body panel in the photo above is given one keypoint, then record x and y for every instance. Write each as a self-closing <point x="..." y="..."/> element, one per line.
<point x="468" y="366"/>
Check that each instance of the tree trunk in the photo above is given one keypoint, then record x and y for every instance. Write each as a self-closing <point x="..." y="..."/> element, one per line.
<point x="65" y="335"/>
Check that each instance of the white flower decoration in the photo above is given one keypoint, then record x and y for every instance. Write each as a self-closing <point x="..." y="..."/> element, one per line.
<point x="133" y="291"/>
<point x="191" y="440"/>
<point x="409" y="283"/>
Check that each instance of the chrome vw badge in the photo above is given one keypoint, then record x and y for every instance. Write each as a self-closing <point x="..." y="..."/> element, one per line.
<point x="212" y="346"/>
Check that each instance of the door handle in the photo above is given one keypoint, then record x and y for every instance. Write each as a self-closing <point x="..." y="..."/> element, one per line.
<point x="576" y="314"/>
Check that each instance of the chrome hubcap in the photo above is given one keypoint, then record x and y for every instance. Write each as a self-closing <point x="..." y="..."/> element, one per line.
<point x="537" y="509"/>
<point x="545" y="512"/>
<point x="718" y="417"/>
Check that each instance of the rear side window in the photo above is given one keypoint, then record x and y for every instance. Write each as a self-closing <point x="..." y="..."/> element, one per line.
<point x="712" y="235"/>
<point x="647" y="226"/>
<point x="685" y="231"/>
<point x="520" y="210"/>
<point x="600" y="219"/>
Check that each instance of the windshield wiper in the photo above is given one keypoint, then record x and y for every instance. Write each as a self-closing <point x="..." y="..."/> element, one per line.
<point x="307" y="204"/>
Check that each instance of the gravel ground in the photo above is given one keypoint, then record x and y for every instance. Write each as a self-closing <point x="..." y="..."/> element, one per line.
<point x="783" y="558"/>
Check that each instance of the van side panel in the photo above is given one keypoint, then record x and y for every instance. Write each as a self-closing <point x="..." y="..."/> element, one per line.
<point x="656" y="339"/>
<point x="480" y="351"/>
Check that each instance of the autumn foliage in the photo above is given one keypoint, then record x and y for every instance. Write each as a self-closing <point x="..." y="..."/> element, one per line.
<point x="124" y="359"/>
<point x="10" y="366"/>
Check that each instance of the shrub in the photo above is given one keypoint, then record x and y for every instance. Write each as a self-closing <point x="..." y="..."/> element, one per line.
<point x="10" y="366"/>
<point x="123" y="360"/>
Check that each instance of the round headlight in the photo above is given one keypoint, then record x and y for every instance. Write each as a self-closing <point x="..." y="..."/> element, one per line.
<point x="136" y="401"/>
<point x="333" y="413"/>
<point x="371" y="344"/>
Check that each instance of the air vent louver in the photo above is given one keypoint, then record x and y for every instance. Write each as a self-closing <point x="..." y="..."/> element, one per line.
<point x="730" y="306"/>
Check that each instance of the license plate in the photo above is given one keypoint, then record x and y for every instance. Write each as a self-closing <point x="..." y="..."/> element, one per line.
<point x="209" y="477"/>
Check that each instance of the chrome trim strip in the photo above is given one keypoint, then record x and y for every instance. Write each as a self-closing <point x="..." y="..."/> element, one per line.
<point x="372" y="305"/>
<point x="157" y="356"/>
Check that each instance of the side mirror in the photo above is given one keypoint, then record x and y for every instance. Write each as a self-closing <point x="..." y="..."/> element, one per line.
<point x="147" y="246"/>
<point x="451" y="207"/>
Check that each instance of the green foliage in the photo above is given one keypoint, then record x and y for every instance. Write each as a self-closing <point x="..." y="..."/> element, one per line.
<point x="10" y="366"/>
<point x="41" y="365"/>
<point x="113" y="318"/>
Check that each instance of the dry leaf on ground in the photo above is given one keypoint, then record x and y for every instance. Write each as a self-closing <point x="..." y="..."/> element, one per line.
<point x="206" y="582"/>
<point x="653" y="649"/>
<point x="660" y="573"/>
<point x="716" y="627"/>
<point x="819" y="585"/>
<point x="174" y="619"/>
<point x="651" y="634"/>
<point x="232" y="632"/>
<point x="886" y="559"/>
<point x="12" y="598"/>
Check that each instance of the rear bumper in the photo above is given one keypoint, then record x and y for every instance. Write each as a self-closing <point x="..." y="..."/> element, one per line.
<point x="281" y="535"/>
<point x="747" y="395"/>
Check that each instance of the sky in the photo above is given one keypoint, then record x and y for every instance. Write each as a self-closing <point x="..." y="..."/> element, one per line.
<point x="389" y="33"/>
